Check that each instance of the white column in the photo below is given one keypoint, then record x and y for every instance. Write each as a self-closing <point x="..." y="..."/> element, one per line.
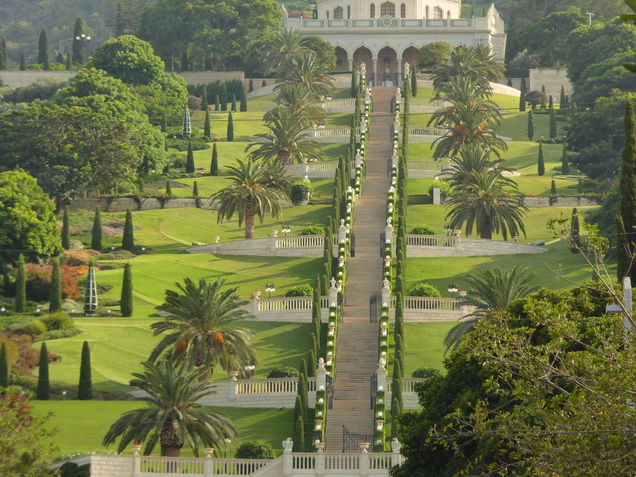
<point x="375" y="72"/>
<point x="350" y="61"/>
<point x="399" y="72"/>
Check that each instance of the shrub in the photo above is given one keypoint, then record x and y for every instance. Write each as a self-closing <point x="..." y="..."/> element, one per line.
<point x="57" y="334"/>
<point x="300" y="290"/>
<point x="445" y="188"/>
<point x="424" y="289"/>
<point x="39" y="281"/>
<point x="34" y="327"/>
<point x="300" y="191"/>
<point x="422" y="230"/>
<point x="118" y="255"/>
<point x="111" y="266"/>
<point x="78" y="258"/>
<point x="182" y="145"/>
<point x="313" y="230"/>
<point x="255" y="450"/>
<point x="283" y="372"/>
<point x="58" y="321"/>
<point x="425" y="373"/>
<point x="194" y="102"/>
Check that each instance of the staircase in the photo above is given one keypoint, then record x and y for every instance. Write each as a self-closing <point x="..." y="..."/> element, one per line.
<point x="357" y="345"/>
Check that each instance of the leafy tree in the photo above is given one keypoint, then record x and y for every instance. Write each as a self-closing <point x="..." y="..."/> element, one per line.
<point x="66" y="229"/>
<point x="4" y="366"/>
<point x="85" y="388"/>
<point x="43" y="390"/>
<point x="203" y="325"/>
<point x="206" y="126"/>
<point x="255" y="450"/>
<point x="43" y="50"/>
<point x="230" y="127"/>
<point x="28" y="222"/>
<point x="433" y="54"/>
<point x="324" y="51"/>
<point x="214" y="165"/>
<point x="530" y="126"/>
<point x="540" y="161"/>
<point x="189" y="168"/>
<point x="173" y="415"/>
<point x="536" y="98"/>
<point x="128" y="239"/>
<point x="20" y="286"/>
<point x="55" y="302"/>
<point x="247" y="197"/>
<point x="127" y="299"/>
<point x="96" y="236"/>
<point x="625" y="254"/>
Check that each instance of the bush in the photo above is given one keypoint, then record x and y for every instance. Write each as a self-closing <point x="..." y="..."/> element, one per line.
<point x="39" y="281"/>
<point x="425" y="373"/>
<point x="34" y="327"/>
<point x="283" y="372"/>
<point x="300" y="192"/>
<point x="255" y="450"/>
<point x="58" y="321"/>
<point x="422" y="230"/>
<point x="118" y="255"/>
<point x="313" y="230"/>
<point x="182" y="144"/>
<point x="300" y="290"/>
<point x="445" y="188"/>
<point x="78" y="258"/>
<point x="57" y="334"/>
<point x="111" y="266"/>
<point x="424" y="289"/>
<point x="42" y="89"/>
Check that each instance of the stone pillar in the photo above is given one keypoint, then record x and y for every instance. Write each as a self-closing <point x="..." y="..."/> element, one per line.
<point x="375" y="72"/>
<point x="358" y="160"/>
<point x="350" y="61"/>
<point x="437" y="197"/>
<point x="288" y="470"/>
<point x="321" y="375"/>
<point x="399" y="73"/>
<point x="333" y="293"/>
<point x="627" y="300"/>
<point x="381" y="374"/>
<point x="386" y="293"/>
<point x="342" y="232"/>
<point x="388" y="234"/>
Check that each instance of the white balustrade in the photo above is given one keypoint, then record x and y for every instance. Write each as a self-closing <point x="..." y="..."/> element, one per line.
<point x="431" y="240"/>
<point x="329" y="132"/>
<point x="300" y="241"/>
<point x="272" y="385"/>
<point x="191" y="466"/>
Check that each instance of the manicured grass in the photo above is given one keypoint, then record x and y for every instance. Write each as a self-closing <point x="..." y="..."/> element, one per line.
<point x="118" y="346"/>
<point x="424" y="345"/>
<point x="82" y="425"/>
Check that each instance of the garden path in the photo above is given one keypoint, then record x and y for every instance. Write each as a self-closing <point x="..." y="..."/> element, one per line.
<point x="357" y="346"/>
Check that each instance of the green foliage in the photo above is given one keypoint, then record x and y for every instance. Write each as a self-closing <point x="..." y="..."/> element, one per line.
<point x="522" y="96"/>
<point x="424" y="289"/>
<point x="300" y="192"/>
<point x="20" y="286"/>
<point x="214" y="164"/>
<point x="96" y="236"/>
<point x="565" y="163"/>
<point x="4" y="366"/>
<point x="189" y="168"/>
<point x="299" y="435"/>
<point x="433" y="54"/>
<point x="55" y="301"/>
<point x="625" y="251"/>
<point x="540" y="162"/>
<point x="41" y="89"/>
<point x="128" y="239"/>
<point x="43" y="50"/>
<point x="66" y="229"/>
<point x="168" y="189"/>
<point x="553" y="124"/>
<point x="85" y="388"/>
<point x="312" y="230"/>
<point x="255" y="450"/>
<point x="127" y="299"/>
<point x="57" y="321"/>
<point x="283" y="372"/>
<point x="230" y="128"/>
<point x="34" y="327"/>
<point x="422" y="230"/>
<point x="43" y="389"/>
<point x="530" y="126"/>
<point x="300" y="290"/>
<point x="195" y="189"/>
<point x="206" y="125"/>
<point x="425" y="373"/>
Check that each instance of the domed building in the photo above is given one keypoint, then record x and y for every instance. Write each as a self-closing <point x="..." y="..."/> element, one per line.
<point x="385" y="34"/>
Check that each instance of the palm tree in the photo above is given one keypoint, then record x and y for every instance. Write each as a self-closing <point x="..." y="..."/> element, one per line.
<point x="299" y="99"/>
<point x="305" y="68"/>
<point x="490" y="291"/>
<point x="173" y="416"/>
<point x="285" y="43"/>
<point x="248" y="196"/>
<point x="470" y="160"/>
<point x="490" y="203"/>
<point x="287" y="140"/>
<point x="203" y="326"/>
<point x="275" y="176"/>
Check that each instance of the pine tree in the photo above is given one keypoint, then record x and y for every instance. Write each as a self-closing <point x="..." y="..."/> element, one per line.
<point x="627" y="204"/>
<point x="44" y="387"/>
<point x="250" y="88"/>
<point x="22" y="61"/>
<point x="55" y="304"/>
<point x="565" y="164"/>
<point x="550" y="102"/>
<point x="413" y="82"/>
<point x="263" y="83"/>
<point x="189" y="168"/>
<point x="562" y="104"/>
<point x="96" y="237"/>
<point x="223" y="97"/>
<point x="214" y="164"/>
<point x="204" y="99"/>
<point x="233" y="102"/>
<point x="522" y="95"/>
<point x="85" y="388"/>
<point x="217" y="105"/>
<point x="509" y="82"/>
<point x="195" y="189"/>
<point x="299" y="435"/>
<point x="530" y="125"/>
<point x="185" y="62"/>
<point x="20" y="286"/>
<point x="168" y="189"/>
<point x="128" y="240"/>
<point x="78" y="53"/>
<point x="4" y="366"/>
<point x="576" y="231"/>
<point x="4" y="59"/>
<point x="69" y="63"/>
<point x="243" y="106"/>
<point x="553" y="124"/>
<point x="541" y="162"/>
<point x="43" y="50"/>
<point x="206" y="126"/>
<point x="126" y="303"/>
<point x="66" y="229"/>
<point x="230" y="128"/>
<point x="553" y="189"/>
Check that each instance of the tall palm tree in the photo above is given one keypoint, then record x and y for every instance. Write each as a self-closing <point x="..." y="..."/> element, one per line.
<point x="470" y="160"/>
<point x="299" y="99"/>
<point x="489" y="204"/>
<point x="203" y="326"/>
<point x="248" y="196"/>
<point x="174" y="416"/>
<point x="305" y="68"/>
<point x="490" y="291"/>
<point x="285" y="43"/>
<point x="275" y="176"/>
<point x="287" y="140"/>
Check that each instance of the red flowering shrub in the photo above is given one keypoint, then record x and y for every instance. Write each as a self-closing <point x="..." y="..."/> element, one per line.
<point x="39" y="281"/>
<point x="78" y="258"/>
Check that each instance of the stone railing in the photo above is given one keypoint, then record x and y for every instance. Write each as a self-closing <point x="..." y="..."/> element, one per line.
<point x="408" y="384"/>
<point x="313" y="170"/>
<point x="272" y="386"/>
<point x="416" y="303"/>
<point x="419" y="169"/>
<point x="447" y="246"/>
<point x="351" y="464"/>
<point x="289" y="246"/>
<point x="424" y="134"/>
<point x="340" y="105"/>
<point x="295" y="309"/>
<point x="336" y="135"/>
<point x="300" y="241"/>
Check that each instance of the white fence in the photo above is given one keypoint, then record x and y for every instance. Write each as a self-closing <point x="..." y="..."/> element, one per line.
<point x="334" y="135"/>
<point x="445" y="246"/>
<point x="286" y="246"/>
<point x="419" y="169"/>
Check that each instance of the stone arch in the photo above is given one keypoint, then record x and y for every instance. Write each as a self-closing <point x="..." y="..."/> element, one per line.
<point x="403" y="10"/>
<point x="387" y="9"/>
<point x="363" y="54"/>
<point x="372" y="10"/>
<point x="410" y="55"/>
<point x="342" y="59"/>
<point x="338" y="13"/>
<point x="387" y="73"/>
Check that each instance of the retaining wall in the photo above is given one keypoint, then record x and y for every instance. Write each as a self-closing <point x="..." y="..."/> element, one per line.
<point x="443" y="246"/>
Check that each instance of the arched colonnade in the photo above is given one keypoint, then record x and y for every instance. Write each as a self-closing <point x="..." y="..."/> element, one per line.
<point x="383" y="64"/>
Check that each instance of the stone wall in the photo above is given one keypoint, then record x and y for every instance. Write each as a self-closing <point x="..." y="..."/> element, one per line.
<point x="205" y="77"/>
<point x="15" y="79"/>
<point x="560" y="202"/>
<point x="552" y="79"/>
<point x="120" y="204"/>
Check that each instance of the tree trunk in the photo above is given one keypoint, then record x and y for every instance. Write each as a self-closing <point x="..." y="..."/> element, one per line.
<point x="485" y="231"/>
<point x="249" y="226"/>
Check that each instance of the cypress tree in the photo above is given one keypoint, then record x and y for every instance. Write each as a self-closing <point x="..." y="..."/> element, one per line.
<point x="204" y="99"/>
<point x="627" y="204"/>
<point x="66" y="229"/>
<point x="233" y="102"/>
<point x="311" y="370"/>
<point x="223" y="97"/>
<point x="3" y="54"/>
<point x="565" y="164"/>
<point x="509" y="82"/>
<point x="126" y="303"/>
<point x="43" y="50"/>
<point x="562" y="104"/>
<point x="567" y="101"/>
<point x="550" y="102"/>
<point x="128" y="240"/>
<point x="522" y="95"/>
<point x="553" y="123"/>
<point x="85" y="388"/>
<point x="44" y="387"/>
<point x="217" y="105"/>
<point x="189" y="168"/>
<point x="4" y="366"/>
<point x="243" y="106"/>
<point x="20" y="286"/>
<point x="206" y="126"/>
<point x="575" y="229"/>
<point x="580" y="186"/>
<point x="230" y="128"/>
<point x="250" y="88"/>
<point x="214" y="164"/>
<point x="298" y="408"/>
<point x="299" y="435"/>
<point x="96" y="237"/>
<point x="553" y="192"/>
<point x="413" y="82"/>
<point x="22" y="61"/>
<point x="185" y="62"/>
<point x="195" y="189"/>
<point x="78" y="29"/>
<point x="530" y="126"/>
<point x="55" y="303"/>
<point x="168" y="189"/>
<point x="69" y="63"/>
<point x="541" y="162"/>
<point x="263" y="83"/>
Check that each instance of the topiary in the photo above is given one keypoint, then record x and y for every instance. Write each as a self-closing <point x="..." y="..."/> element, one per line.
<point x="300" y="290"/>
<point x="255" y="450"/>
<point x="283" y="372"/>
<point x="57" y="321"/>
<point x="424" y="289"/>
<point x="34" y="327"/>
<point x="312" y="230"/>
<point x="422" y="230"/>
<point x="300" y="192"/>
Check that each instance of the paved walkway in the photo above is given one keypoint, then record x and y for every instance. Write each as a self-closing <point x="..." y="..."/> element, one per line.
<point x="357" y="346"/>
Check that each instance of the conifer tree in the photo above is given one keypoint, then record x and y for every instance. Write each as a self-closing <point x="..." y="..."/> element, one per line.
<point x="413" y="82"/>
<point x="550" y="102"/>
<point x="66" y="229"/>
<point x="565" y="164"/>
<point x="580" y="186"/>
<point x="168" y="189"/>
<point x="189" y="168"/>
<point x="299" y="435"/>
<point x="541" y="161"/>
<point x="69" y="63"/>
<point x="562" y="104"/>
<point x="530" y="125"/>
<point x="509" y="82"/>
<point x="4" y="59"/>
<point x="217" y="104"/>
<point x="553" y="123"/>
<point x="20" y="286"/>
<point x="78" y="54"/>
<point x="263" y="83"/>
<point x="55" y="303"/>
<point x="85" y="388"/>
<point x="627" y="205"/>
<point x="44" y="387"/>
<point x="128" y="240"/>
<point x="204" y="99"/>
<point x="185" y="62"/>
<point x="223" y="97"/>
<point x="22" y="61"/>
<point x="230" y="128"/>
<point x="4" y="366"/>
<point x="214" y="164"/>
<point x="576" y="231"/>
<point x="195" y="189"/>
<point x="553" y="189"/>
<point x="207" y="132"/>
<point x="250" y="88"/>
<point x="243" y="106"/>
<point x="43" y="50"/>
<point x="522" y="95"/>
<point x="233" y="102"/>
<point x="96" y="237"/>
<point x="126" y="303"/>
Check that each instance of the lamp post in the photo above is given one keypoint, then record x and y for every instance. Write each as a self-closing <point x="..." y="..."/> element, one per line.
<point x="270" y="288"/>
<point x="83" y="40"/>
<point x="285" y="229"/>
<point x="227" y="441"/>
<point x="249" y="369"/>
<point x="448" y="229"/>
<point x="452" y="289"/>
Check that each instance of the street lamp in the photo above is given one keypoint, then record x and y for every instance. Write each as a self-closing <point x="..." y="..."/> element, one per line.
<point x="270" y="288"/>
<point x="452" y="289"/>
<point x="448" y="229"/>
<point x="249" y="369"/>
<point x="285" y="229"/>
<point x="227" y="441"/>
<point x="83" y="40"/>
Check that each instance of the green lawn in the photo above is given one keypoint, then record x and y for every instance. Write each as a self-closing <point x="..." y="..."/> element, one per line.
<point x="81" y="425"/>
<point x="423" y="345"/>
